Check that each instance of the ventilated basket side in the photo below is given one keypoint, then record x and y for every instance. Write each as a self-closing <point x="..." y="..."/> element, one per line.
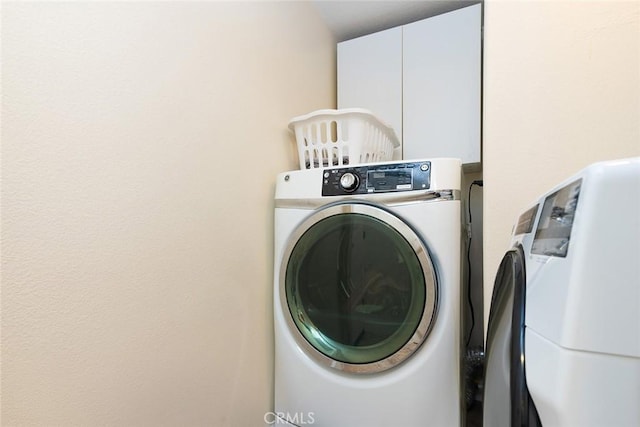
<point x="304" y="143"/>
<point x="375" y="143"/>
<point x="341" y="137"/>
<point x="326" y="141"/>
<point x="354" y="137"/>
<point x="307" y="149"/>
<point x="379" y="145"/>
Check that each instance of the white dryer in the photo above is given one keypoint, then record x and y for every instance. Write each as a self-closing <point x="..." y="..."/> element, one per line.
<point x="367" y="295"/>
<point x="563" y="341"/>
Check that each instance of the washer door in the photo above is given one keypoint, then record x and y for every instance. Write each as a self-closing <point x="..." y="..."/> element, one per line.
<point x="359" y="286"/>
<point x="506" y="396"/>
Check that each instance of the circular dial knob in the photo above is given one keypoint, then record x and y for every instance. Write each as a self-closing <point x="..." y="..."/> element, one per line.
<point x="349" y="181"/>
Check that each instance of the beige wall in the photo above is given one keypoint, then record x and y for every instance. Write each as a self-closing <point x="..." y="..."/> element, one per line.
<point x="140" y="143"/>
<point x="561" y="91"/>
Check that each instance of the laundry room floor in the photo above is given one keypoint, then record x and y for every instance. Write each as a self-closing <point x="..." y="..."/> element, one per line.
<point x="474" y="415"/>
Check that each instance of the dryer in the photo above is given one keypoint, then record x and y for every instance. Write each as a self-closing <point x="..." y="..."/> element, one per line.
<point x="563" y="340"/>
<point x="367" y="295"/>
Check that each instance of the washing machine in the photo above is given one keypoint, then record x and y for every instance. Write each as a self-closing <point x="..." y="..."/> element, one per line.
<point x="563" y="340"/>
<point x="367" y="295"/>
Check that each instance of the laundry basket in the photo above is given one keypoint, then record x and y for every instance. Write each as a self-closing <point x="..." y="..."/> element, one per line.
<point x="342" y="137"/>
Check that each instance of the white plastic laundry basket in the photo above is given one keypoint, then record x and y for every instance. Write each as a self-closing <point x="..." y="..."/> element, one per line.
<point x="342" y="137"/>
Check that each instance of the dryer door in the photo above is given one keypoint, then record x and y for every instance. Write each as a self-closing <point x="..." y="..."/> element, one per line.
<point x="506" y="400"/>
<point x="359" y="286"/>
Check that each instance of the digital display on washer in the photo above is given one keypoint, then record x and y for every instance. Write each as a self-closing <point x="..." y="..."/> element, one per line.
<point x="553" y="233"/>
<point x="376" y="178"/>
<point x="525" y="221"/>
<point x="391" y="180"/>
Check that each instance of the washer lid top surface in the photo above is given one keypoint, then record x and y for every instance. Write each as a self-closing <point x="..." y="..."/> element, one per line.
<point x="359" y="287"/>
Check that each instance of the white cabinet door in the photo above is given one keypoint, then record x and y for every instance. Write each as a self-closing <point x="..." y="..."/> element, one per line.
<point x="441" y="93"/>
<point x="370" y="76"/>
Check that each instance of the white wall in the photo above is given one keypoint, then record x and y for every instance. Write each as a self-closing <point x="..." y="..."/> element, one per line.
<point x="140" y="142"/>
<point x="561" y="91"/>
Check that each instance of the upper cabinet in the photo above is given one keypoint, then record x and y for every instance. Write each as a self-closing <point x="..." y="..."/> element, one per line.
<point x="424" y="79"/>
<point x="370" y="76"/>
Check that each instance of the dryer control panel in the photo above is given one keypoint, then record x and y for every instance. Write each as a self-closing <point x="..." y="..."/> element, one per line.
<point x="365" y="179"/>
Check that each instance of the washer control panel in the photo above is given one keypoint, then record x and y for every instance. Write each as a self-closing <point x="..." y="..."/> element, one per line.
<point x="376" y="178"/>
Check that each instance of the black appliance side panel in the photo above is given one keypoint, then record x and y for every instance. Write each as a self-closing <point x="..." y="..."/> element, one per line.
<point x="523" y="410"/>
<point x="508" y="308"/>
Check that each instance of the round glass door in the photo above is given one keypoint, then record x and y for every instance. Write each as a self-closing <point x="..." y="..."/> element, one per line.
<point x="360" y="288"/>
